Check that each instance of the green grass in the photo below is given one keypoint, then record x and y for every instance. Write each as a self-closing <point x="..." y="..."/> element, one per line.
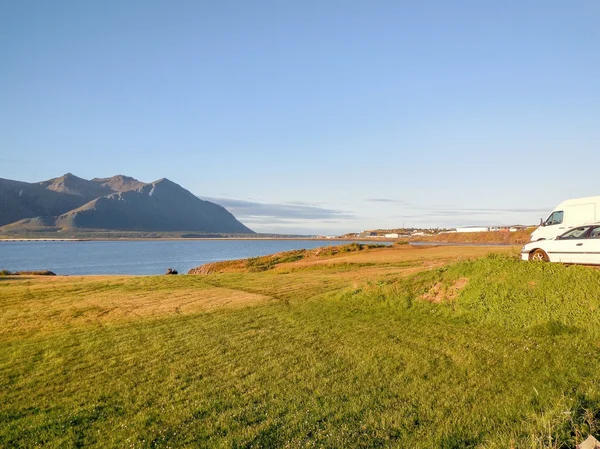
<point x="265" y="263"/>
<point x="513" y="361"/>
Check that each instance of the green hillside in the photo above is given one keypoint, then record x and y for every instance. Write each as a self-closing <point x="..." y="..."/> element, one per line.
<point x="403" y="352"/>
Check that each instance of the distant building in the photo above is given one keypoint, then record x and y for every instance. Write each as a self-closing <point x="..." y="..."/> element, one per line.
<point x="473" y="229"/>
<point x="367" y="234"/>
<point x="394" y="235"/>
<point x="516" y="228"/>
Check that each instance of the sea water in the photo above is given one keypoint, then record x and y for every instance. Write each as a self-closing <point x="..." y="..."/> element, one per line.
<point x="137" y="256"/>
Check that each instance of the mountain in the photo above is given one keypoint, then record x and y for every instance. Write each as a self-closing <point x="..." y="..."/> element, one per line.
<point x="119" y="183"/>
<point x="72" y="185"/>
<point x="117" y="203"/>
<point x="27" y="200"/>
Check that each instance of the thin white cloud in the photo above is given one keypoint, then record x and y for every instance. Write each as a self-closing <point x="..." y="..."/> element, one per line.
<point x="245" y="210"/>
<point x="385" y="200"/>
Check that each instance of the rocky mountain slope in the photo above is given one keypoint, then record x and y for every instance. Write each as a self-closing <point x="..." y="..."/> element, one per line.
<point x="116" y="203"/>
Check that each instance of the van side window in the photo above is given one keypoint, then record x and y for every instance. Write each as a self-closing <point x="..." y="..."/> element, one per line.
<point x="555" y="218"/>
<point x="595" y="234"/>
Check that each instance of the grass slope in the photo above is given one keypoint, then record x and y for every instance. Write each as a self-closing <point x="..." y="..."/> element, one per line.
<point x="495" y="237"/>
<point x="339" y="354"/>
<point x="268" y="262"/>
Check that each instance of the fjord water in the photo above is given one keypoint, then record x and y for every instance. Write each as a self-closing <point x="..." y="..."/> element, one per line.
<point x="137" y="257"/>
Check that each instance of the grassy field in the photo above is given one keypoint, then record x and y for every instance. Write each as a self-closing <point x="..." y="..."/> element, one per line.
<point x="402" y="347"/>
<point x="496" y="237"/>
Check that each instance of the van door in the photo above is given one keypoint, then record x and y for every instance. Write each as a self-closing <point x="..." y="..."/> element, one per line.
<point x="591" y="247"/>
<point x="553" y="226"/>
<point x="571" y="246"/>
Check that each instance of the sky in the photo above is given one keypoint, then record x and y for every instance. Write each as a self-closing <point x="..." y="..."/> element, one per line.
<point x="312" y="116"/>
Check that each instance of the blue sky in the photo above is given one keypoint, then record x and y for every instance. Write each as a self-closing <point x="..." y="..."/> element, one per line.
<point x="312" y="116"/>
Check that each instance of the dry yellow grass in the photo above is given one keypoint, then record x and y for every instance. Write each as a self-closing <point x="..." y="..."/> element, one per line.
<point x="46" y="304"/>
<point x="503" y="237"/>
<point x="407" y="253"/>
<point x="381" y="256"/>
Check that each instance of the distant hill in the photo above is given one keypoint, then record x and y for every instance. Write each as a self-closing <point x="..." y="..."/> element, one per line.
<point x="117" y="203"/>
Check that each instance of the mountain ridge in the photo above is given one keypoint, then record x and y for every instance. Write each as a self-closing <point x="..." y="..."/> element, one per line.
<point x="115" y="203"/>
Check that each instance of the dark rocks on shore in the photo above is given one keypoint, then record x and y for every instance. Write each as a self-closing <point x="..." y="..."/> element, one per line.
<point x="27" y="273"/>
<point x="172" y="271"/>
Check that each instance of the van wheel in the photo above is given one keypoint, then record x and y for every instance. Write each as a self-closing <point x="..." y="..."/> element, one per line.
<point x="539" y="255"/>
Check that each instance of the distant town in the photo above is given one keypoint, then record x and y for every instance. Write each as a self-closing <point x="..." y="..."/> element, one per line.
<point x="424" y="232"/>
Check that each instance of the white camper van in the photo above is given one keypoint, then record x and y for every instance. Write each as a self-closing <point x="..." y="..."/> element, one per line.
<point x="567" y="215"/>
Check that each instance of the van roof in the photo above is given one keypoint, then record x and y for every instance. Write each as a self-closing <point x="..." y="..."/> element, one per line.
<point x="584" y="200"/>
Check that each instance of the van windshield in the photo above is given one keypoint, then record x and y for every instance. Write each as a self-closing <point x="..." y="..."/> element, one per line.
<point x="555" y="218"/>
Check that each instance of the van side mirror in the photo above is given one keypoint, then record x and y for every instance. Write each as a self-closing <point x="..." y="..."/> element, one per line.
<point x="557" y="237"/>
<point x="542" y="222"/>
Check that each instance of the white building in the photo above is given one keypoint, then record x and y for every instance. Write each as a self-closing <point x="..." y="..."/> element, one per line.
<point x="473" y="229"/>
<point x="392" y="236"/>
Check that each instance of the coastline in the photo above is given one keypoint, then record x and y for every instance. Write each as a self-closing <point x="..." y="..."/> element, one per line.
<point x="143" y="257"/>
<point x="313" y="256"/>
<point x="152" y="239"/>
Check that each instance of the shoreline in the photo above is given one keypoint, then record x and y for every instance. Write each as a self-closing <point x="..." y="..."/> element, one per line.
<point x="473" y="248"/>
<point x="152" y="239"/>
